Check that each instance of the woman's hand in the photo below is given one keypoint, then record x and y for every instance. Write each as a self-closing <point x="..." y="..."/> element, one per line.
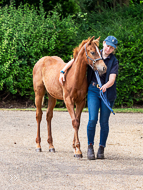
<point x="111" y="81"/>
<point x="103" y="88"/>
<point x="67" y="66"/>
<point x="61" y="78"/>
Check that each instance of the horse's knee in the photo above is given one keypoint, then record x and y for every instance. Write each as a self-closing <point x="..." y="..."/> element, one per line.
<point x="75" y="123"/>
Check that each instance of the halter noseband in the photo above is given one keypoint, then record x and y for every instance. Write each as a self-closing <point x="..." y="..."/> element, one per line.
<point x="94" y="60"/>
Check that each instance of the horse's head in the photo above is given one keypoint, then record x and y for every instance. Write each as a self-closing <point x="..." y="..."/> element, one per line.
<point x="93" y="56"/>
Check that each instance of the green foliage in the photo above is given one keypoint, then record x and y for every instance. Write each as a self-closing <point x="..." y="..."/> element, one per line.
<point x="66" y="6"/>
<point x="88" y="6"/>
<point x="127" y="26"/>
<point x="25" y="37"/>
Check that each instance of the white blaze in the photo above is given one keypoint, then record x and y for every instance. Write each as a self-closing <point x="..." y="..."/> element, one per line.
<point x="98" y="52"/>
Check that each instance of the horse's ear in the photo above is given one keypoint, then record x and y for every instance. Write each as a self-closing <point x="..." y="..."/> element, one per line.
<point x="97" y="41"/>
<point x="91" y="40"/>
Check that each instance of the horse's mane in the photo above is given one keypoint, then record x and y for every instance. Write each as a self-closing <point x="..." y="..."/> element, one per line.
<point x="77" y="49"/>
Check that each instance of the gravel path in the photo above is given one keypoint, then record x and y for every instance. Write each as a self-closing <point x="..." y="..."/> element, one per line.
<point x="21" y="168"/>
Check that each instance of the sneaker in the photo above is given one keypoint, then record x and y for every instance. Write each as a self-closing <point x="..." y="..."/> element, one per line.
<point x="90" y="153"/>
<point x="100" y="153"/>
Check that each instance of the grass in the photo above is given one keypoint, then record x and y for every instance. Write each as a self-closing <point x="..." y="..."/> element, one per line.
<point x="116" y="110"/>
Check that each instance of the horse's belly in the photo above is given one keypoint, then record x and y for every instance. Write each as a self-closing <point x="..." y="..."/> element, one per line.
<point x="55" y="91"/>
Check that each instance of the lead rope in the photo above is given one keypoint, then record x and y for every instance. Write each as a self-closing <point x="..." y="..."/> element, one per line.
<point x="103" y="97"/>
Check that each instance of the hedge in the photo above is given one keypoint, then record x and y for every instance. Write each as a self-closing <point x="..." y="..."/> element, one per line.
<point x="126" y="25"/>
<point x="26" y="35"/>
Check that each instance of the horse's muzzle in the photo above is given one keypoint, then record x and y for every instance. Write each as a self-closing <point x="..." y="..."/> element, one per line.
<point x="102" y="70"/>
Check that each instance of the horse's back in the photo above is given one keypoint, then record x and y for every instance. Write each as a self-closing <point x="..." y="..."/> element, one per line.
<point x="47" y="71"/>
<point x="48" y="61"/>
<point x="58" y="59"/>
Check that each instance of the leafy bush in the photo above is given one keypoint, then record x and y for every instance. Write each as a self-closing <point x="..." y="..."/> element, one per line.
<point x="26" y="36"/>
<point x="127" y="26"/>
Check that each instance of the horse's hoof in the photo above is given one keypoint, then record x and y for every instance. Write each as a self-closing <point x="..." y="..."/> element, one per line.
<point x="78" y="155"/>
<point x="38" y="150"/>
<point x="51" y="150"/>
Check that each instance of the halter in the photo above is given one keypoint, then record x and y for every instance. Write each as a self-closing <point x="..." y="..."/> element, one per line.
<point x="94" y="60"/>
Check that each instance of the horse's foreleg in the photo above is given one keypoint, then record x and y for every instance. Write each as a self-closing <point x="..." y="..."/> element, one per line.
<point x="79" y="108"/>
<point x="75" y="123"/>
<point x="51" y="105"/>
<point x="74" y="143"/>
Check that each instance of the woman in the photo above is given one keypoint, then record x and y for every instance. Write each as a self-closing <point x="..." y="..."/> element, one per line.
<point x="93" y="99"/>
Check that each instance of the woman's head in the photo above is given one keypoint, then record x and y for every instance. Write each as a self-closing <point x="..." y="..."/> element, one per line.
<point x="109" y="45"/>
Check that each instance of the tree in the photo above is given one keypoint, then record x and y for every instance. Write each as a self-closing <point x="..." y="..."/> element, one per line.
<point x="64" y="7"/>
<point x="99" y="6"/>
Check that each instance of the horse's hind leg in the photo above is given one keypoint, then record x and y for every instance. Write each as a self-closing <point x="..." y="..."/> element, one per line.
<point x="51" y="105"/>
<point x="39" y="94"/>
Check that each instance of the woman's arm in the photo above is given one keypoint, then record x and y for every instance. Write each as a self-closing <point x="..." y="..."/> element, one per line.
<point x="66" y="67"/>
<point x="111" y="81"/>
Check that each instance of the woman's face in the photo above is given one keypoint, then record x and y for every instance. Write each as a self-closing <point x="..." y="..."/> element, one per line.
<point x="107" y="49"/>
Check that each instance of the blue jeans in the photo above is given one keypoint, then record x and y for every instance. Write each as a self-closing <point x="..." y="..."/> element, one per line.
<point x="94" y="103"/>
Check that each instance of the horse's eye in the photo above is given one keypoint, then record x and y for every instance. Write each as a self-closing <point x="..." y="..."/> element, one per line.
<point x="92" y="53"/>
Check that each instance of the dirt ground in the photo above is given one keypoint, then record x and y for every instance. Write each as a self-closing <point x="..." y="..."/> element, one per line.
<point x="21" y="168"/>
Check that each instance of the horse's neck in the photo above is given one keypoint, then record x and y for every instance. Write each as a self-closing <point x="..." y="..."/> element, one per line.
<point x="78" y="71"/>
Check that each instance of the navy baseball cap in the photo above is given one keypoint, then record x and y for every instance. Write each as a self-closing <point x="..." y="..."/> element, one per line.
<point x="111" y="41"/>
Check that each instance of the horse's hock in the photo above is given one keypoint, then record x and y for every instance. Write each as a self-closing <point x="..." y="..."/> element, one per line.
<point x="22" y="167"/>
